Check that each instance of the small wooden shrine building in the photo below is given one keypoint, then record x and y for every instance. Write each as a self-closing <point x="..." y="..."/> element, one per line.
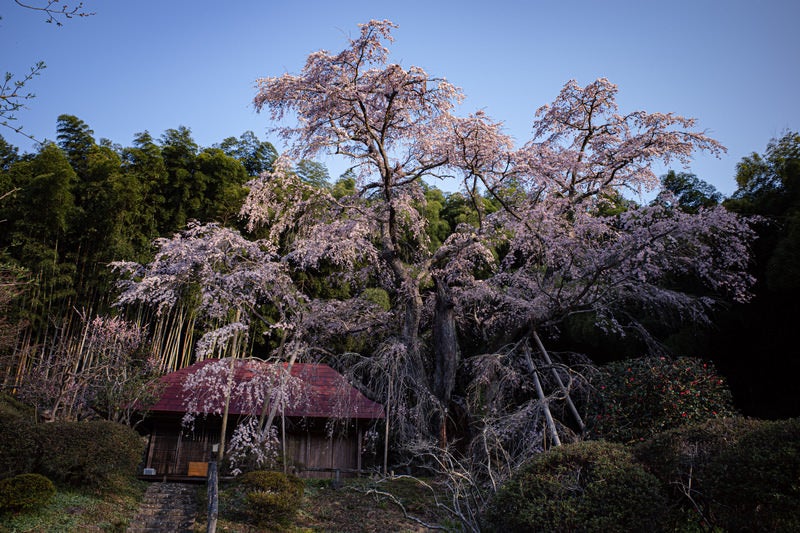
<point x="176" y="451"/>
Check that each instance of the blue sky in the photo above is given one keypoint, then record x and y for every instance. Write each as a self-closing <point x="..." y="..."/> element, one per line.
<point x="153" y="65"/>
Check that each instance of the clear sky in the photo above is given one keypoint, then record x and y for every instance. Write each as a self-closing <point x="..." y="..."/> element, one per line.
<point x="159" y="64"/>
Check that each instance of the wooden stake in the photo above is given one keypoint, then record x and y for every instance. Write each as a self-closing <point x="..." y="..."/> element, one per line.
<point x="540" y="394"/>
<point x="557" y="377"/>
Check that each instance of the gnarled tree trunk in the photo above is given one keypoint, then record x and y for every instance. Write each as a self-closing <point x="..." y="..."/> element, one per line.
<point x="447" y="353"/>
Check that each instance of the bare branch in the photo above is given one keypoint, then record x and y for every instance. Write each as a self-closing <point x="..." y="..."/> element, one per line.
<point x="13" y="97"/>
<point x="395" y="500"/>
<point x="56" y="12"/>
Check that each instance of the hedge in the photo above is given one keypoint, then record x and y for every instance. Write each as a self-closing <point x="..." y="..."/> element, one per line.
<point x="25" y="492"/>
<point x="272" y="496"/>
<point x="586" y="486"/>
<point x="639" y="398"/>
<point x="734" y="474"/>
<point x="89" y="454"/>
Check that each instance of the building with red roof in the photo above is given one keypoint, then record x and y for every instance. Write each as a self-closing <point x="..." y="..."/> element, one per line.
<point x="321" y="427"/>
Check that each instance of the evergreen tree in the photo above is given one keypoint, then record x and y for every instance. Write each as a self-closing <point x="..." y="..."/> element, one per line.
<point x="183" y="188"/>
<point x="76" y="139"/>
<point x="313" y="173"/>
<point x="144" y="164"/>
<point x="224" y="177"/>
<point x="437" y="228"/>
<point x="757" y="339"/>
<point x="8" y="155"/>
<point x="690" y="192"/>
<point x="39" y="217"/>
<point x="257" y="156"/>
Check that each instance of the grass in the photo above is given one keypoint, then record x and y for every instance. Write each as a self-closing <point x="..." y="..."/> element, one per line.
<point x="356" y="506"/>
<point x="75" y="510"/>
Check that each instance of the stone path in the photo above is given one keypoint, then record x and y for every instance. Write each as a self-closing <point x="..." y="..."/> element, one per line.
<point x="166" y="507"/>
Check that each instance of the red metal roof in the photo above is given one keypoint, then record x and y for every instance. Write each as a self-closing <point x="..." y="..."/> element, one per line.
<point x="320" y="391"/>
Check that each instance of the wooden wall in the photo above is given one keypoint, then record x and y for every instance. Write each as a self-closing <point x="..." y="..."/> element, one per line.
<point x="315" y="454"/>
<point x="171" y="450"/>
<point x="310" y="450"/>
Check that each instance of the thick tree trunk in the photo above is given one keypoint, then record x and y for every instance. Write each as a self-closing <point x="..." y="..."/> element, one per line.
<point x="447" y="354"/>
<point x="408" y="299"/>
<point x="445" y="344"/>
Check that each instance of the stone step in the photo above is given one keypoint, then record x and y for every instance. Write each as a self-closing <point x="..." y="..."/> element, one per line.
<point x="166" y="507"/>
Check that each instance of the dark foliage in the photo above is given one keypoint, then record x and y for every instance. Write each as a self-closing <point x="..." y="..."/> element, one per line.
<point x="754" y="484"/>
<point x="734" y="474"/>
<point x="271" y="496"/>
<point x="587" y="486"/>
<point x="11" y="408"/>
<point x="25" y="492"/>
<point x="20" y="451"/>
<point x="755" y="342"/>
<point x="83" y="454"/>
<point x="73" y="207"/>
<point x="681" y="458"/>
<point x="95" y="454"/>
<point x="690" y="192"/>
<point x="641" y="397"/>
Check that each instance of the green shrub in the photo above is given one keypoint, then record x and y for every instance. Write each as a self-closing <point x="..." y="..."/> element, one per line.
<point x="11" y="407"/>
<point x="377" y="296"/>
<point x="638" y="398"/>
<point x="735" y="474"/>
<point x="25" y="492"/>
<point x="94" y="454"/>
<point x="272" y="496"/>
<point x="21" y="450"/>
<point x="672" y="455"/>
<point x="586" y="486"/>
<point x="754" y="484"/>
<point x="680" y="459"/>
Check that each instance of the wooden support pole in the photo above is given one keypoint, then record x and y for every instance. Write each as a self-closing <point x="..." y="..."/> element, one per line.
<point x="224" y="429"/>
<point x="551" y="425"/>
<point x="283" y="440"/>
<point x="386" y="432"/>
<point x="213" y="498"/>
<point x="557" y="377"/>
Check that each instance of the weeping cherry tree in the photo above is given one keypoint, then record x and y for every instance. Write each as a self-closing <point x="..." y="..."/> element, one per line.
<point x="564" y="243"/>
